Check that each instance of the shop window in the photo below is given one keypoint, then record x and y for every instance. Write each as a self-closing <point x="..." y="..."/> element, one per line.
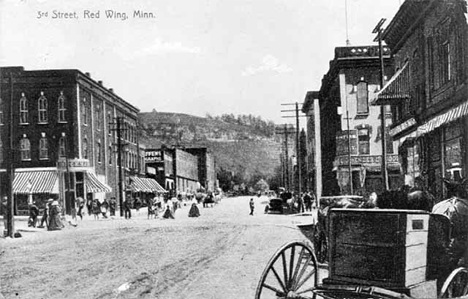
<point x="362" y="95"/>
<point x="43" y="148"/>
<point x="453" y="153"/>
<point x="62" y="147"/>
<point x="363" y="139"/>
<point x="23" y="106"/>
<point x="61" y="108"/>
<point x="42" y="108"/>
<point x="25" y="149"/>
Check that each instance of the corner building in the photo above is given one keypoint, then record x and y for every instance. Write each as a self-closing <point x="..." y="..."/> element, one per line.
<point x="64" y="136"/>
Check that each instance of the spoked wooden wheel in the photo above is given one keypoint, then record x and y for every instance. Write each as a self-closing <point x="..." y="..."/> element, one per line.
<point x="320" y="245"/>
<point x="456" y="285"/>
<point x="291" y="273"/>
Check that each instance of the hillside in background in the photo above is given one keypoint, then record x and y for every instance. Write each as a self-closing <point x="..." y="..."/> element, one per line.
<point x="244" y="146"/>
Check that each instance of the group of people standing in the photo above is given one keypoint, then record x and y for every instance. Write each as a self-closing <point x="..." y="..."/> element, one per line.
<point x="51" y="216"/>
<point x="97" y="208"/>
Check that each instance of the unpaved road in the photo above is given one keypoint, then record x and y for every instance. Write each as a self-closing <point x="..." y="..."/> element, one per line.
<point x="219" y="255"/>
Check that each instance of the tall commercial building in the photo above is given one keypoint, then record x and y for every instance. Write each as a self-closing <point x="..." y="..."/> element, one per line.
<point x="63" y="127"/>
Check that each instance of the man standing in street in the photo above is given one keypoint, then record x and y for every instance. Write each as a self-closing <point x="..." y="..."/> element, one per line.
<point x="112" y="206"/>
<point x="127" y="206"/>
<point x="252" y="206"/>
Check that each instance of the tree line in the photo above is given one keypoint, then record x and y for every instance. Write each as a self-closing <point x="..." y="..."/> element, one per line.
<point x="264" y="127"/>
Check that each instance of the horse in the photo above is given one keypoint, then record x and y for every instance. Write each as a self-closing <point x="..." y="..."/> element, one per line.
<point x="455" y="207"/>
<point x="406" y="199"/>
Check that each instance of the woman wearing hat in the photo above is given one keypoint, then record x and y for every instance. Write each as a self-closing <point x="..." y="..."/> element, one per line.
<point x="54" y="220"/>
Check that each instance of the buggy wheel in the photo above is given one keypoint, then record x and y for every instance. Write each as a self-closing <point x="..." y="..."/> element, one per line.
<point x="292" y="272"/>
<point x="456" y="285"/>
<point x="320" y="245"/>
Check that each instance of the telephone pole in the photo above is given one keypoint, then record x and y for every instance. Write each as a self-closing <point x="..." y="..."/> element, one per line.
<point x="118" y="129"/>
<point x="378" y="30"/>
<point x="286" y="131"/>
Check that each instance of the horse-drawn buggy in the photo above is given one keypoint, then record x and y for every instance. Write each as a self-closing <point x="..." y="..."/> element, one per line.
<point x="374" y="253"/>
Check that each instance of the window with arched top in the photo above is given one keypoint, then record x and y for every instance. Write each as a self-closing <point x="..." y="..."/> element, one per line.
<point x="362" y="98"/>
<point x="84" y="111"/>
<point x="1" y="112"/>
<point x="109" y="123"/>
<point x="85" y="148"/>
<point x="62" y="147"/>
<point x="42" y="108"/>
<point x="98" y="118"/>
<point x="61" y="108"/>
<point x="25" y="149"/>
<point x="99" y="150"/>
<point x="43" y="148"/>
<point x="23" y="107"/>
<point x="111" y="155"/>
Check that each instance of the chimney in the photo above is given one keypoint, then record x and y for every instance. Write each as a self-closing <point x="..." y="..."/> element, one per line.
<point x="111" y="90"/>
<point x="88" y="74"/>
<point x="100" y="82"/>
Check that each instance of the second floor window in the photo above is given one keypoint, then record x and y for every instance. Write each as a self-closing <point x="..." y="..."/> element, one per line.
<point x="62" y="147"/>
<point x="364" y="144"/>
<point x="61" y="108"/>
<point x="1" y="151"/>
<point x="98" y="149"/>
<point x="42" y="108"/>
<point x="25" y="149"/>
<point x="85" y="148"/>
<point x="1" y="112"/>
<point x="84" y="111"/>
<point x="111" y="156"/>
<point x="23" y="103"/>
<point x="362" y="96"/>
<point x="98" y="116"/>
<point x="43" y="148"/>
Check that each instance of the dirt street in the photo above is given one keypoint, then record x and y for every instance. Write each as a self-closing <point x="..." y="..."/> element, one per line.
<point x="218" y="255"/>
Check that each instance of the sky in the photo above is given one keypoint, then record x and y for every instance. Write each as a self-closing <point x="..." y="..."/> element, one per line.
<point x="193" y="56"/>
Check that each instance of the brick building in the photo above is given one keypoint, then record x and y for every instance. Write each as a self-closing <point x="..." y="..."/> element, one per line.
<point x="428" y="93"/>
<point x="64" y="136"/>
<point x="347" y="121"/>
<point x="182" y="170"/>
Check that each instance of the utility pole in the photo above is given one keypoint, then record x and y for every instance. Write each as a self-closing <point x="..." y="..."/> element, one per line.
<point x="285" y="163"/>
<point x="378" y="30"/>
<point x="10" y="168"/>
<point x="350" y="170"/>
<point x="298" y="153"/>
<point x="296" y="110"/>
<point x="120" y="145"/>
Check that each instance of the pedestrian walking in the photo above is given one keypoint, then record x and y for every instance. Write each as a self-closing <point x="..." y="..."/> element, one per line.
<point x="112" y="206"/>
<point x="54" y="220"/>
<point x="168" y="213"/>
<point x="33" y="213"/>
<point x="104" y="207"/>
<point x="95" y="207"/>
<point x="5" y="213"/>
<point x="127" y="207"/>
<point x="308" y="202"/>
<point x="252" y="206"/>
<point x="45" y="215"/>
<point x="80" y="204"/>
<point x="89" y="205"/>
<point x="137" y="205"/>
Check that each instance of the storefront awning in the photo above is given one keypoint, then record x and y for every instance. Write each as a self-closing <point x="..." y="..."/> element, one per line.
<point x="397" y="88"/>
<point x="93" y="185"/>
<point x="445" y="118"/>
<point x="34" y="182"/>
<point x="145" y="185"/>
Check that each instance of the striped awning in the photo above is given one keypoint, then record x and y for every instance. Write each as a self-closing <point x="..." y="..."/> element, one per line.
<point x="445" y="118"/>
<point x="145" y="185"/>
<point x="94" y="185"/>
<point x="34" y="182"/>
<point x="397" y="88"/>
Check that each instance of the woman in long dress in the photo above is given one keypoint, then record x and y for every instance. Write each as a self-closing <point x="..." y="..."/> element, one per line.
<point x="54" y="217"/>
